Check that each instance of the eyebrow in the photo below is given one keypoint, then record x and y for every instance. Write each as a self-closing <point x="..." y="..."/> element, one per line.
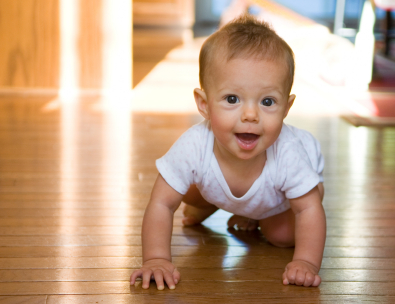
<point x="280" y="91"/>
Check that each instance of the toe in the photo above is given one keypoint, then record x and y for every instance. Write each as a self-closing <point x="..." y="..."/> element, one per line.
<point x="252" y="226"/>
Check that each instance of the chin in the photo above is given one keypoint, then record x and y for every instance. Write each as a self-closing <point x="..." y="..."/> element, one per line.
<point x="246" y="156"/>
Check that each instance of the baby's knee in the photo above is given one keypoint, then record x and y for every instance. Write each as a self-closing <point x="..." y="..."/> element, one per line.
<point x="281" y="237"/>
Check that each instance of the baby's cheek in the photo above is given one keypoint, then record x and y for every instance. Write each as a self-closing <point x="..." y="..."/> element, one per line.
<point x="221" y="125"/>
<point x="273" y="128"/>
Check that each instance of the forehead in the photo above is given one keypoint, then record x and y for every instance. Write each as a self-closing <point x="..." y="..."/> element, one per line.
<point x="248" y="71"/>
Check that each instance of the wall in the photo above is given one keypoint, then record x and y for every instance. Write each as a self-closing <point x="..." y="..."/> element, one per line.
<point x="29" y="35"/>
<point x="65" y="44"/>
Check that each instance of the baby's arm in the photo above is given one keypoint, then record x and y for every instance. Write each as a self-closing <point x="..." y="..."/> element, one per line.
<point x="310" y="234"/>
<point x="156" y="237"/>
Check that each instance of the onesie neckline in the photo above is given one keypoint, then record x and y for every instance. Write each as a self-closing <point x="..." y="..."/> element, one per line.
<point x="225" y="187"/>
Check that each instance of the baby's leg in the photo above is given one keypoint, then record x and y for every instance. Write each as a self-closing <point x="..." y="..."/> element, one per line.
<point x="196" y="208"/>
<point x="279" y="229"/>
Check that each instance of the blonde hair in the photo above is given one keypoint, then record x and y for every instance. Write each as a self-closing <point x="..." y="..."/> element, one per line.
<point x="246" y="37"/>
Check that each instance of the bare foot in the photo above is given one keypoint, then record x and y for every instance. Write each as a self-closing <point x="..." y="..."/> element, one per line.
<point x="194" y="216"/>
<point x="243" y="223"/>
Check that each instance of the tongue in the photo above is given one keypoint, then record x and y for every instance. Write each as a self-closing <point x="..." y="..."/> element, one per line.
<point x="247" y="137"/>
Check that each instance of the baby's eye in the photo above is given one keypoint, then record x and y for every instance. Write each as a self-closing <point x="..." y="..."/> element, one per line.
<point x="232" y="99"/>
<point x="267" y="102"/>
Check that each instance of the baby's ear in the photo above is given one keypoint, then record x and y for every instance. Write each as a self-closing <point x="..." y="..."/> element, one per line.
<point x="201" y="102"/>
<point x="291" y="100"/>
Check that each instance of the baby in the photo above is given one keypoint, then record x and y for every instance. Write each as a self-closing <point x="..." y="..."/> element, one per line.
<point x="242" y="158"/>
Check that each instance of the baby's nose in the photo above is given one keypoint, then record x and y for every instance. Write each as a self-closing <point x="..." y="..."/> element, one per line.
<point x="250" y="114"/>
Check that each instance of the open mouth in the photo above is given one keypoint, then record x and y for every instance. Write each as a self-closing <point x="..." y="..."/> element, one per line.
<point x="247" y="141"/>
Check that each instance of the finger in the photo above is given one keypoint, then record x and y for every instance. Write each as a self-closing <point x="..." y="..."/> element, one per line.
<point x="300" y="277"/>
<point x="176" y="276"/>
<point x="146" y="278"/>
<point x="158" y="275"/>
<point x="135" y="275"/>
<point x="291" y="276"/>
<point x="309" y="279"/>
<point x="169" y="280"/>
<point x="285" y="279"/>
<point x="317" y="280"/>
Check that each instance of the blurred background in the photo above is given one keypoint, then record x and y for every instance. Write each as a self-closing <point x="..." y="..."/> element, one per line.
<point x="74" y="47"/>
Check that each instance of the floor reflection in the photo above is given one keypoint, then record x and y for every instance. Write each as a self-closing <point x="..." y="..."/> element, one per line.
<point x="95" y="173"/>
<point x="234" y="248"/>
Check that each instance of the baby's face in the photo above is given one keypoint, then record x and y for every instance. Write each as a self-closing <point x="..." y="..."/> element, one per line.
<point x="247" y="100"/>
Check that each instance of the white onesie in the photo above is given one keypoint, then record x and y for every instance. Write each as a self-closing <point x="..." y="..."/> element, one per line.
<point x="293" y="167"/>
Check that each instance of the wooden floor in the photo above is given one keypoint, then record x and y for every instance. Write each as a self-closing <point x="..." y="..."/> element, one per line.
<point x="75" y="181"/>
<point x="75" y="178"/>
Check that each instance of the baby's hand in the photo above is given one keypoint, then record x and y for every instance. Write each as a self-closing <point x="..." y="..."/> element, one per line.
<point x="301" y="273"/>
<point x="159" y="269"/>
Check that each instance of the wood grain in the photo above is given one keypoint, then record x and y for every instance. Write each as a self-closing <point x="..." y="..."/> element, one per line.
<point x="188" y="274"/>
<point x="269" y="288"/>
<point x="29" y="35"/>
<point x="31" y="52"/>
<point x="23" y="300"/>
<point x="164" y="12"/>
<point x="197" y="299"/>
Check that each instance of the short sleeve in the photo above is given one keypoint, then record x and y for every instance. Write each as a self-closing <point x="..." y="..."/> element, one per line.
<point x="179" y="165"/>
<point x="297" y="175"/>
<point x="318" y="162"/>
<point x="313" y="149"/>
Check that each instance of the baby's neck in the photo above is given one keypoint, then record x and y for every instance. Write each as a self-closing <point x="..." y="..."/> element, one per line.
<point x="240" y="174"/>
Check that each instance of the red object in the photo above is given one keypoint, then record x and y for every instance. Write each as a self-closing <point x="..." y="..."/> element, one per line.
<point x="380" y="104"/>
<point x="385" y="4"/>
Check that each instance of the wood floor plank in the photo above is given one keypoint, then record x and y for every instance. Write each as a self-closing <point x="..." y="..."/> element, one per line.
<point x="114" y="240"/>
<point x="198" y="299"/>
<point x="125" y="262"/>
<point x="71" y="230"/>
<point x="135" y="251"/>
<point x="250" y="262"/>
<point x="335" y="204"/>
<point x="81" y="240"/>
<point x="197" y="287"/>
<point x="23" y="300"/>
<point x="360" y="252"/>
<point x="326" y="288"/>
<point x="190" y="274"/>
<point x="33" y="212"/>
<point x="136" y="221"/>
<point x="180" y="251"/>
<point x="177" y="230"/>
<point x="107" y="230"/>
<point x="330" y="241"/>
<point x="129" y="212"/>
